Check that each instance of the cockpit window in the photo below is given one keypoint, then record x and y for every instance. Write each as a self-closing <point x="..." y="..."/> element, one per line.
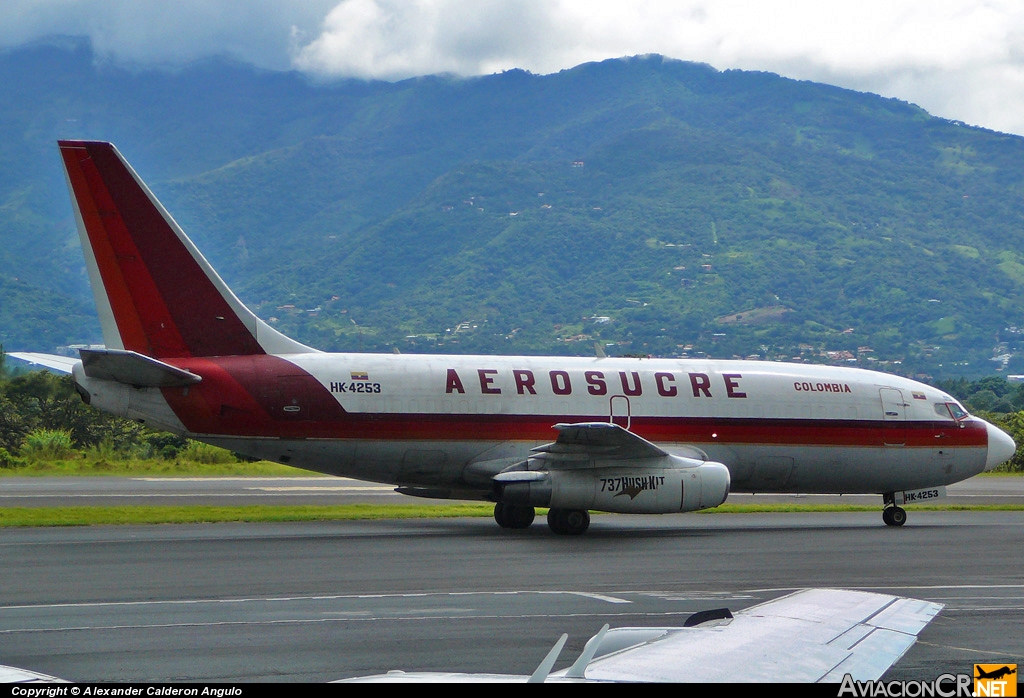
<point x="951" y="410"/>
<point x="957" y="411"/>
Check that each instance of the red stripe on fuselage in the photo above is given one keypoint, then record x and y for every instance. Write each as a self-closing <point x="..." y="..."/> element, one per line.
<point x="163" y="302"/>
<point x="248" y="396"/>
<point x="259" y="395"/>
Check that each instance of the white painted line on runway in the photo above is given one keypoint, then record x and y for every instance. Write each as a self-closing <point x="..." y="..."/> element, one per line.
<point x="963" y="586"/>
<point x="599" y="597"/>
<point x="374" y="619"/>
<point x="242" y="478"/>
<point x="959" y="606"/>
<point x="718" y="597"/>
<point x="986" y="653"/>
<point x="337" y="488"/>
<point x="330" y="597"/>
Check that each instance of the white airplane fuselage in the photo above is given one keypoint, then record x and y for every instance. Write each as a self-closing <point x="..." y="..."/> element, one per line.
<point x="453" y="421"/>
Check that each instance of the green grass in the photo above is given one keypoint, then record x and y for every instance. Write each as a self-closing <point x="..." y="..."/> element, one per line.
<point x="84" y="467"/>
<point x="141" y="515"/>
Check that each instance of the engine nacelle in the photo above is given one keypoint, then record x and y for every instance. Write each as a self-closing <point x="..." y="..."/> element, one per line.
<point x="626" y="490"/>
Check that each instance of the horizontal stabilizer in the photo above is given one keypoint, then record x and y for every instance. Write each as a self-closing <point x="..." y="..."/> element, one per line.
<point x="134" y="369"/>
<point x="54" y="362"/>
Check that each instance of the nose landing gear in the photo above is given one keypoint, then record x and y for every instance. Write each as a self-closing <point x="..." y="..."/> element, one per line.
<point x="893" y="515"/>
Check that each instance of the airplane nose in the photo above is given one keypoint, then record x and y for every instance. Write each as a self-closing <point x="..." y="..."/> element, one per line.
<point x="1000" y="447"/>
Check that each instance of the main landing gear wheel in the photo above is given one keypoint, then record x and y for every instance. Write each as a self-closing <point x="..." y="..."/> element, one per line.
<point x="568" y="522"/>
<point x="509" y="516"/>
<point x="894" y="516"/>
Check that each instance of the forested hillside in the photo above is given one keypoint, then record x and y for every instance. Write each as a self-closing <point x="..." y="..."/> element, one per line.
<point x="654" y="206"/>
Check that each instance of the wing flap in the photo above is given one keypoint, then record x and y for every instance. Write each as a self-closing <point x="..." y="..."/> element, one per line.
<point x="883" y="639"/>
<point x="872" y="656"/>
<point x="810" y="636"/>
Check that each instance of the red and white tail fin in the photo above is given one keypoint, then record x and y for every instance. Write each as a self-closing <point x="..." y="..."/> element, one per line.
<point x="155" y="293"/>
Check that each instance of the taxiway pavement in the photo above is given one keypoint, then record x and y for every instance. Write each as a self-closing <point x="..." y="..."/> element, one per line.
<point x="321" y="601"/>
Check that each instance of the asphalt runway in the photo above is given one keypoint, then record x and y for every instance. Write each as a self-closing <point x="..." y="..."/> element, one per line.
<point x="321" y="601"/>
<point x="238" y="491"/>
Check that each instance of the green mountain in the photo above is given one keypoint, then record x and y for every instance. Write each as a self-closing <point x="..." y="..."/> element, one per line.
<point x="652" y="205"/>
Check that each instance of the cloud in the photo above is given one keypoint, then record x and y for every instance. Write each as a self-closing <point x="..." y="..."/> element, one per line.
<point x="393" y="39"/>
<point x="261" y="32"/>
<point x="401" y="38"/>
<point x="961" y="59"/>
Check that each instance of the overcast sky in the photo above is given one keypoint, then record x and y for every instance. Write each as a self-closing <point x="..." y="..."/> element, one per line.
<point x="960" y="59"/>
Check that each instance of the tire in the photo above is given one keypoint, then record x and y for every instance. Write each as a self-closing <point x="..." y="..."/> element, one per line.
<point x="894" y="516"/>
<point x="513" y="517"/>
<point x="568" y="522"/>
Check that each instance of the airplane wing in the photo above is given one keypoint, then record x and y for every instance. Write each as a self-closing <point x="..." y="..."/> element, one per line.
<point x="583" y="441"/>
<point x="810" y="636"/>
<point x="60" y="364"/>
<point x="12" y="674"/>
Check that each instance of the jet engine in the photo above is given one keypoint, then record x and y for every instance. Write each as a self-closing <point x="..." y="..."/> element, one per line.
<point x="681" y="484"/>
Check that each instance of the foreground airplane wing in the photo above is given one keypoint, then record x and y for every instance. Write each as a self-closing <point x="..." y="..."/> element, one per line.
<point x="813" y="635"/>
<point x="13" y="674"/>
